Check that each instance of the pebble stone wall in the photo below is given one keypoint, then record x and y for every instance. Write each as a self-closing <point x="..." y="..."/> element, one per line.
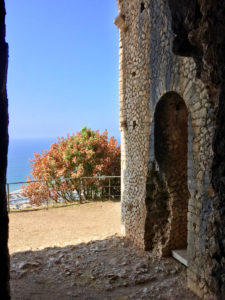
<point x="149" y="72"/>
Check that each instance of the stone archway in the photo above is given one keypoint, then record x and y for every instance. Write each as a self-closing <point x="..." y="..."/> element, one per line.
<point x="167" y="189"/>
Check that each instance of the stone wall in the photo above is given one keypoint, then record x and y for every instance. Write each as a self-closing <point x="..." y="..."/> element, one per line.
<point x="199" y="28"/>
<point x="4" y="255"/>
<point x="154" y="201"/>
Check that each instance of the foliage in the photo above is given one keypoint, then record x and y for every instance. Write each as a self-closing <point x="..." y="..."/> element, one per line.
<point x="58" y="172"/>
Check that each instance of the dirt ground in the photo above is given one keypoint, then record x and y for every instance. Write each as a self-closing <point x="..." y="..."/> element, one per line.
<point x="34" y="230"/>
<point x="68" y="253"/>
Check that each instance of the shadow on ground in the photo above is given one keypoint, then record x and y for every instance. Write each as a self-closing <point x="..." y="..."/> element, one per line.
<point x="103" y="269"/>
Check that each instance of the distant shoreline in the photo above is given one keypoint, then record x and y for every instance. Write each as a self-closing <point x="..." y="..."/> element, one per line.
<point x="16" y="199"/>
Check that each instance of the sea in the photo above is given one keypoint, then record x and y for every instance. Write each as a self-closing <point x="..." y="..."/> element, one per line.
<point x="20" y="152"/>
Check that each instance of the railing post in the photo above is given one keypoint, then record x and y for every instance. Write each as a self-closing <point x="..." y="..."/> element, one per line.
<point x="81" y="187"/>
<point x="109" y="189"/>
<point x="8" y="204"/>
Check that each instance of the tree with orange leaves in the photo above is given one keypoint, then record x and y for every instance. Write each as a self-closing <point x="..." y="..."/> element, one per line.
<point x="58" y="172"/>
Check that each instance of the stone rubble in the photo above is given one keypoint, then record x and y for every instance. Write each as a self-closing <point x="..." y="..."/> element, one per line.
<point x="108" y="269"/>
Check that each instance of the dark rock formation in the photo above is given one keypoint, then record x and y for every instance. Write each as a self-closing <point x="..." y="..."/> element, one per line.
<point x="156" y="224"/>
<point x="199" y="28"/>
<point x="4" y="255"/>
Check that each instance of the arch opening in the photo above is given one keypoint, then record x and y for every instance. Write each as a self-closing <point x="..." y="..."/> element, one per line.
<point x="167" y="188"/>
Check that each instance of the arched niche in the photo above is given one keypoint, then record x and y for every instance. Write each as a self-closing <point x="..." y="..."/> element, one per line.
<point x="167" y="190"/>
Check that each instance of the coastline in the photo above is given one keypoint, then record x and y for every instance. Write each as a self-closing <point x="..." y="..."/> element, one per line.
<point x="17" y="200"/>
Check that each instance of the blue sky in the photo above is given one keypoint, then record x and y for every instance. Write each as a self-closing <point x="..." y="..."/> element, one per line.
<point x="63" y="67"/>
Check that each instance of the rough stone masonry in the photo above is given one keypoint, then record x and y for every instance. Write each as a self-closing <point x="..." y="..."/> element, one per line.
<point x="173" y="134"/>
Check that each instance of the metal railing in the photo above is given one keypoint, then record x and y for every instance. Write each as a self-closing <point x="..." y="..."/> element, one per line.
<point x="86" y="188"/>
